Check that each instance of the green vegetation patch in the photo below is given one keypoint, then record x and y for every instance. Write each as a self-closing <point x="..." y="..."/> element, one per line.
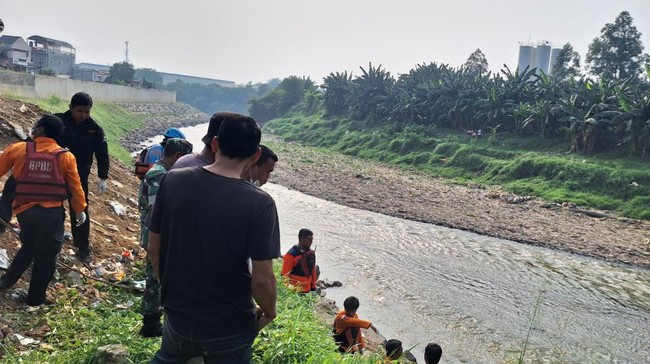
<point x="77" y="328"/>
<point x="298" y="335"/>
<point x="621" y="185"/>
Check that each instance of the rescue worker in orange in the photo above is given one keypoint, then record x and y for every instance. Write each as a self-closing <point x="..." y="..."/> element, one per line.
<point x="347" y="328"/>
<point x="299" y="263"/>
<point x="46" y="175"/>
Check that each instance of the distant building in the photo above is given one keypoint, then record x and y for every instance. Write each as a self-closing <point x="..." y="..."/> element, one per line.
<point x="541" y="55"/>
<point x="90" y="72"/>
<point x="173" y="77"/>
<point x="15" y="53"/>
<point x="53" y="54"/>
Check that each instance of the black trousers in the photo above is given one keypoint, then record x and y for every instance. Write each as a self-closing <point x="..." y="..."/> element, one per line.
<point x="41" y="234"/>
<point x="81" y="234"/>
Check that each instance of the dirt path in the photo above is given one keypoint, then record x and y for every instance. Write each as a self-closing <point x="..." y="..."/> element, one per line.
<point x="484" y="210"/>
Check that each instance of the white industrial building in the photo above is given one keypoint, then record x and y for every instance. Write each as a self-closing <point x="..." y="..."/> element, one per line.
<point x="541" y="55"/>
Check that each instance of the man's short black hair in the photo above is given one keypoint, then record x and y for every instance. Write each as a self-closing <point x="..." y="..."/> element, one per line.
<point x="351" y="303"/>
<point x="266" y="154"/>
<point x="432" y="353"/>
<point x="81" y="99"/>
<point x="304" y="233"/>
<point x="393" y="347"/>
<point x="52" y="126"/>
<point x="239" y="136"/>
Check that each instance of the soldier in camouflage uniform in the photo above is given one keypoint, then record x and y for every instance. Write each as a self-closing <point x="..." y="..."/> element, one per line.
<point x="150" y="307"/>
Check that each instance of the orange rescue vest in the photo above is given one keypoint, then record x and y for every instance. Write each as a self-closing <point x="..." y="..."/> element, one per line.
<point x="41" y="179"/>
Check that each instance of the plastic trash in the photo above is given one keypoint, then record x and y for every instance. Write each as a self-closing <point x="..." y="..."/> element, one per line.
<point x="25" y="340"/>
<point x="118" y="208"/>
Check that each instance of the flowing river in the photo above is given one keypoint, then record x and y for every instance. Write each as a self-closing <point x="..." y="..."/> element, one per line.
<point x="482" y="299"/>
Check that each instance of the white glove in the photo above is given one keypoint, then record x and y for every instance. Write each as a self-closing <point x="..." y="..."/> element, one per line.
<point x="81" y="218"/>
<point x="102" y="186"/>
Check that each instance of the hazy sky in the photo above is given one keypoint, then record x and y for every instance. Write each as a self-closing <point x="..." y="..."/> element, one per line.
<point x="255" y="40"/>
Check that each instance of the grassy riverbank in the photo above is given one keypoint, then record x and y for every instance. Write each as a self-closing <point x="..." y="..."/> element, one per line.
<point x="114" y="119"/>
<point x="73" y="328"/>
<point x="85" y="317"/>
<point x="522" y="165"/>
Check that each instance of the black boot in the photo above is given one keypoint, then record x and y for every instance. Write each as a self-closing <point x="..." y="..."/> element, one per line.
<point x="151" y="326"/>
<point x="4" y="284"/>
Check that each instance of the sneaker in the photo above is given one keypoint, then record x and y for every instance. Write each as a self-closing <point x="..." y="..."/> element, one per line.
<point x="46" y="302"/>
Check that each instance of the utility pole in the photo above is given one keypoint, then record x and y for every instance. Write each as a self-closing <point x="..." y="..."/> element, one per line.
<point x="126" y="52"/>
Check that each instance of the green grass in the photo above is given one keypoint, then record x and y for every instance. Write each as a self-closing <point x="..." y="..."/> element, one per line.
<point x="78" y="329"/>
<point x="297" y="335"/>
<point x="521" y="164"/>
<point x="114" y="119"/>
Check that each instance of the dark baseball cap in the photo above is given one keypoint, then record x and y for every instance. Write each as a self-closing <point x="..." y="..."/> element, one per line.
<point x="215" y="123"/>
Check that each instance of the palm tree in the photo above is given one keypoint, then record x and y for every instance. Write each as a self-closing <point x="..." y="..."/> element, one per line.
<point x="371" y="94"/>
<point x="338" y="88"/>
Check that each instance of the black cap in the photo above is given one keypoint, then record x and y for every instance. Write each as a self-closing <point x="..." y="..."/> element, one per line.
<point x="215" y="123"/>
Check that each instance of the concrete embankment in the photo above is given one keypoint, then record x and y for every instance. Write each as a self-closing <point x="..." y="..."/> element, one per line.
<point x="158" y="117"/>
<point x="42" y="87"/>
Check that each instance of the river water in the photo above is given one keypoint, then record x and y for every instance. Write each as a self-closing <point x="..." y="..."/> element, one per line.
<point x="480" y="298"/>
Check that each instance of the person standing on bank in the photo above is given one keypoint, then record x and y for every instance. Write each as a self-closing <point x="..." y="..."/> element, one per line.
<point x="206" y="223"/>
<point x="85" y="138"/>
<point x="150" y="306"/>
<point x="45" y="174"/>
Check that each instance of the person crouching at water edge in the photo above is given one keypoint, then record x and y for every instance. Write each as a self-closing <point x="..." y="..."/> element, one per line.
<point x="347" y="328"/>
<point x="45" y="174"/>
<point x="299" y="264"/>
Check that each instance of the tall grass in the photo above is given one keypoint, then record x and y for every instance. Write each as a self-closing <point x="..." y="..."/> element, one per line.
<point x="523" y="165"/>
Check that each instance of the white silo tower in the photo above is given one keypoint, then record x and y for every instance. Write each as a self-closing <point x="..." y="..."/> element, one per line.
<point x="526" y="56"/>
<point x="555" y="52"/>
<point x="542" y="56"/>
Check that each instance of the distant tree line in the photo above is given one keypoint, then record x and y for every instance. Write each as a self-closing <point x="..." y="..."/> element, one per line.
<point x="213" y="98"/>
<point x="277" y="102"/>
<point x="608" y="109"/>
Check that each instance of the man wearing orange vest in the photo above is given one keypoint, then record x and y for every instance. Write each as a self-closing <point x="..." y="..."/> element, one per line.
<point x="299" y="264"/>
<point x="46" y="175"/>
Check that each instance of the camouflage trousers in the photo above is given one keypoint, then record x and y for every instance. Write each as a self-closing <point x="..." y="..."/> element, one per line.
<point x="151" y="299"/>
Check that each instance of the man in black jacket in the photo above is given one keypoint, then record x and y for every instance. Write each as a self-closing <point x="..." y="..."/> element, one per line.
<point x="85" y="138"/>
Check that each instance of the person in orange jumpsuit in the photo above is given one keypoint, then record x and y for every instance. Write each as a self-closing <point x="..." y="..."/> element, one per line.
<point x="299" y="263"/>
<point x="347" y="328"/>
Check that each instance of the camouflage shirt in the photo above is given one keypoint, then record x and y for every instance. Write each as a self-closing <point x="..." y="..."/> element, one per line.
<point x="149" y="187"/>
